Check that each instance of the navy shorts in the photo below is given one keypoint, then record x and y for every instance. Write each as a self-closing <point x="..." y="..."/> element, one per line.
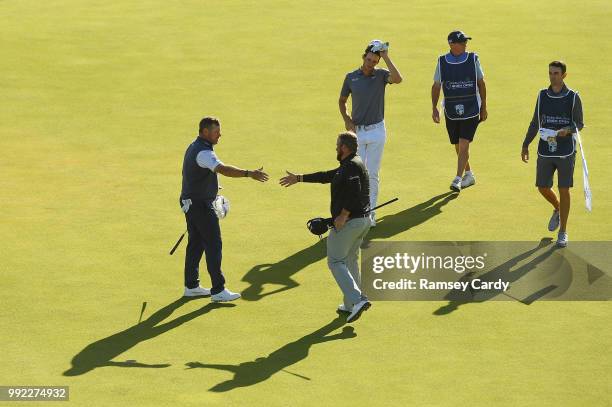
<point x="465" y="129"/>
<point x="547" y="166"/>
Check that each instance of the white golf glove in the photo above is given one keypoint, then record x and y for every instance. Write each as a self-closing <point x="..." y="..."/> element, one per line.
<point x="378" y="45"/>
<point x="221" y="205"/>
<point x="186" y="204"/>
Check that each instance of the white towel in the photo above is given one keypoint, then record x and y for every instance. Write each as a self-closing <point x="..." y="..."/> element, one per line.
<point x="545" y="134"/>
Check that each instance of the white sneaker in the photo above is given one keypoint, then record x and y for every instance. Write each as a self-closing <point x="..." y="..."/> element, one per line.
<point x="562" y="239"/>
<point x="467" y="180"/>
<point x="358" y="308"/>
<point x="372" y="221"/>
<point x="553" y="223"/>
<point x="456" y="184"/>
<point x="344" y="308"/>
<point x="196" y="292"/>
<point x="225" y="295"/>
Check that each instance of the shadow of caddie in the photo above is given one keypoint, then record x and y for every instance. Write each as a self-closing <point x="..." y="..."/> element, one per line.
<point x="505" y="272"/>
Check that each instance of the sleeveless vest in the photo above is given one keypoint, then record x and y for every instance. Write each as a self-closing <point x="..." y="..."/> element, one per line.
<point x="459" y="86"/>
<point x="555" y="112"/>
<point x="198" y="183"/>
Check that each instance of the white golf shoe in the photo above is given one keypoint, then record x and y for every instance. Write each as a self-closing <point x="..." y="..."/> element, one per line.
<point x="553" y="223"/>
<point x="467" y="180"/>
<point x="196" y="292"/>
<point x="562" y="239"/>
<point x="224" y="296"/>
<point x="456" y="184"/>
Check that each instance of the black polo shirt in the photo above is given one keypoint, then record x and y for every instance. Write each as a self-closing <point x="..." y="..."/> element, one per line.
<point x="350" y="188"/>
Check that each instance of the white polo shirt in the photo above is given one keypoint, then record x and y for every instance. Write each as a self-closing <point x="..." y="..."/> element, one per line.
<point x="208" y="159"/>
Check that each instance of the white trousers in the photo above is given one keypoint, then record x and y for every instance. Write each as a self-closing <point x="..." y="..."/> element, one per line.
<point x="371" y="141"/>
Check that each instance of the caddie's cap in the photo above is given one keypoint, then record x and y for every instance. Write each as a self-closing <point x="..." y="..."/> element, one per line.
<point x="457" y="36"/>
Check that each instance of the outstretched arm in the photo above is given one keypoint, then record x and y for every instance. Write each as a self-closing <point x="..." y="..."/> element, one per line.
<point x="323" y="177"/>
<point x="208" y="159"/>
<point x="194" y="365"/>
<point x="235" y="172"/>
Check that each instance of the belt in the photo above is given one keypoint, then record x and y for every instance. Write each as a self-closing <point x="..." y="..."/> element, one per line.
<point x="368" y="127"/>
<point x="365" y="215"/>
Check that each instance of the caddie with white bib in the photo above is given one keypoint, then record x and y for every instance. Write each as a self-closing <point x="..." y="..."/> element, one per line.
<point x="366" y="86"/>
<point x="203" y="208"/>
<point x="459" y="75"/>
<point x="557" y="119"/>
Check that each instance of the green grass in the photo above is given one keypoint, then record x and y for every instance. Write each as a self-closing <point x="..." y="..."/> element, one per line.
<point x="99" y="101"/>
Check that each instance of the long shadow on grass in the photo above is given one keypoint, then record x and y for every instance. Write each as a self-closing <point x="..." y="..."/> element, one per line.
<point x="391" y="225"/>
<point x="253" y="372"/>
<point x="280" y="273"/>
<point x="101" y="353"/>
<point x="503" y="272"/>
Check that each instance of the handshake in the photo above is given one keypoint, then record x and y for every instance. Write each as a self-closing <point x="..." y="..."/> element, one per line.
<point x="378" y="45"/>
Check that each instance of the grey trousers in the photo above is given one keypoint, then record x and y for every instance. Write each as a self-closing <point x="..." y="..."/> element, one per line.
<point x="343" y="258"/>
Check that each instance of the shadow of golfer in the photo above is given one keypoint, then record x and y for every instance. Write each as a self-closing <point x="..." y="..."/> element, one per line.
<point x="253" y="372"/>
<point x="101" y="353"/>
<point x="391" y="225"/>
<point x="502" y="272"/>
<point x="280" y="273"/>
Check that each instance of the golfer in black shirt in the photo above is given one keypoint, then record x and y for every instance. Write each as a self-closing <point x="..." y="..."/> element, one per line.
<point x="350" y="205"/>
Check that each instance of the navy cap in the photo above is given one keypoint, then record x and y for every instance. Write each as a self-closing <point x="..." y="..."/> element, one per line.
<point x="457" y="36"/>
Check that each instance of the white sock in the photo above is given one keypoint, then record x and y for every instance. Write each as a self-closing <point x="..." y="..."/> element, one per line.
<point x="457" y="178"/>
<point x="468" y="173"/>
